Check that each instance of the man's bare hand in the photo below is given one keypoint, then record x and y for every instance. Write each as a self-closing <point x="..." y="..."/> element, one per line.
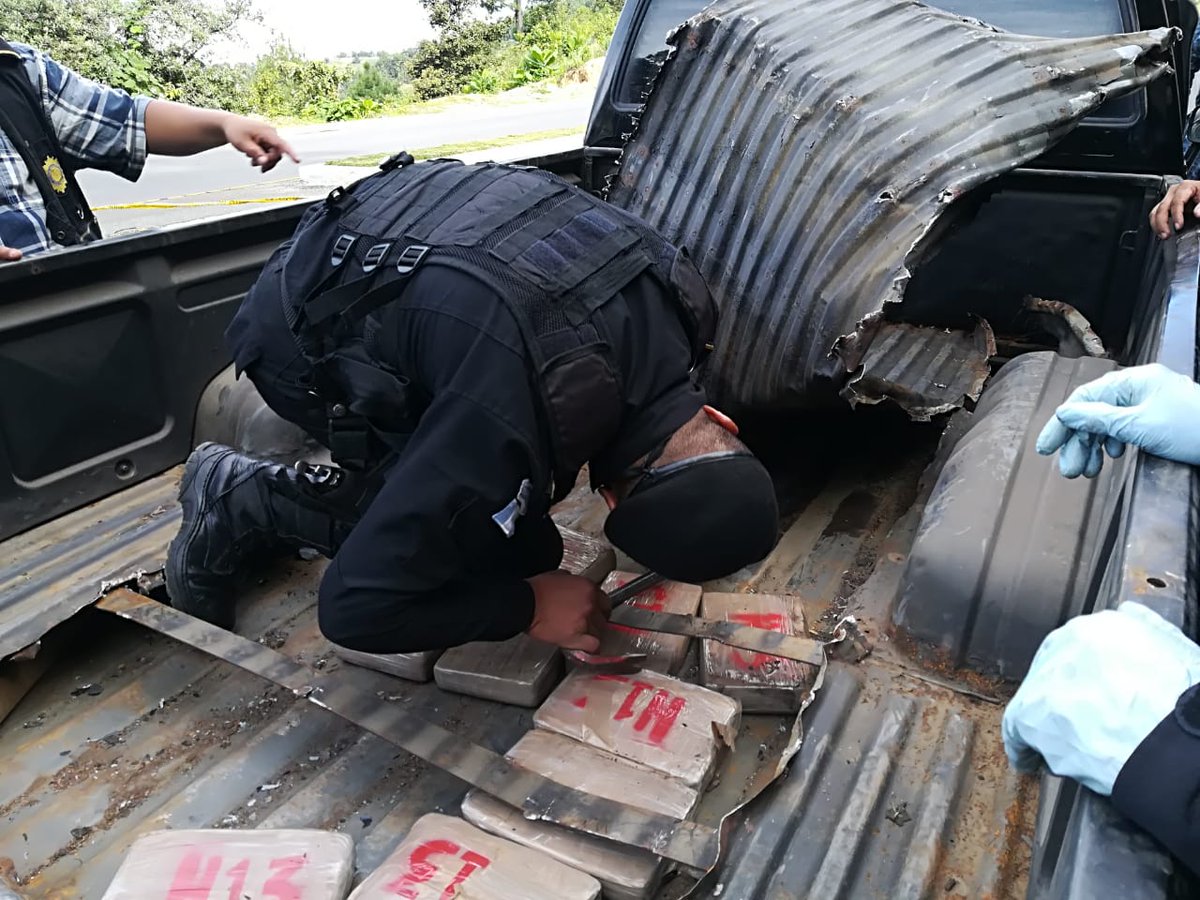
<point x="1175" y="209"/>
<point x="9" y="254"/>
<point x="569" y="611"/>
<point x="259" y="141"/>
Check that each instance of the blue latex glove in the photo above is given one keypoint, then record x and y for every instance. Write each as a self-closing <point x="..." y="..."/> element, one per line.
<point x="1151" y="407"/>
<point x="1097" y="687"/>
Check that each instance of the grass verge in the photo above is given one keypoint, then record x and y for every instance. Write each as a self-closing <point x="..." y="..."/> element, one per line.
<point x="374" y="159"/>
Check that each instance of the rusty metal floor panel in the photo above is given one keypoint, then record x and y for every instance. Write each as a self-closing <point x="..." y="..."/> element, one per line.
<point x="53" y="571"/>
<point x="130" y="732"/>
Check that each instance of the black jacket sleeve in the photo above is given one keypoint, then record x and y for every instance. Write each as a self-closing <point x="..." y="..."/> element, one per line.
<point x="1159" y="785"/>
<point x="428" y="566"/>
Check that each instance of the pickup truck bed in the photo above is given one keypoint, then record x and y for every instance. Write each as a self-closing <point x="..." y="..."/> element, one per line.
<point x="131" y="731"/>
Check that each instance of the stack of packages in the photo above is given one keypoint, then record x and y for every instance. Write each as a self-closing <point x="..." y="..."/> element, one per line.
<point x="646" y="739"/>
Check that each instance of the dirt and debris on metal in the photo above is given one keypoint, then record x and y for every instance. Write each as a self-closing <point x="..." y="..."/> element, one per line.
<point x="807" y="154"/>
<point x="178" y="740"/>
<point x="51" y="572"/>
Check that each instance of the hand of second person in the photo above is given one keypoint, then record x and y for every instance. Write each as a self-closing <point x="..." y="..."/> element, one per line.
<point x="1173" y="210"/>
<point x="9" y="254"/>
<point x="569" y="611"/>
<point x="1151" y="407"/>
<point x="259" y="141"/>
<point x="1096" y="688"/>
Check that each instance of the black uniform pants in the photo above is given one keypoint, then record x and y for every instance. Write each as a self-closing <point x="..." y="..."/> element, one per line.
<point x="264" y="348"/>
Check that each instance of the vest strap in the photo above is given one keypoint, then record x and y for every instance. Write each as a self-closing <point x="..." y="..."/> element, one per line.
<point x="69" y="219"/>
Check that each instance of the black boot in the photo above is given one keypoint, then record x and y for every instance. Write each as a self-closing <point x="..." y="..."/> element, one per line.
<point x="236" y="508"/>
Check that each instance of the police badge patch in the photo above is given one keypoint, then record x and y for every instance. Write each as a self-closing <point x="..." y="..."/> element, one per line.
<point x="54" y="171"/>
<point x="507" y="517"/>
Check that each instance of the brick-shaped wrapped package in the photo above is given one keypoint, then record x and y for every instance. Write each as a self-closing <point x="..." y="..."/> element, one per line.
<point x="443" y="858"/>
<point x="603" y="774"/>
<point x="624" y="873"/>
<point x="216" y="864"/>
<point x="409" y="666"/>
<point x="586" y="556"/>
<point x="520" y="671"/>
<point x="671" y="726"/>
<point x="664" y="652"/>
<point x="763" y="683"/>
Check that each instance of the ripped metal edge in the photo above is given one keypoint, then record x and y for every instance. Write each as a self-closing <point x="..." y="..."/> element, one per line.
<point x="903" y="363"/>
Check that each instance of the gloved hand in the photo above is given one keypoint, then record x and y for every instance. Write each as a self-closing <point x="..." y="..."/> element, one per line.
<point x="1097" y="687"/>
<point x="1150" y="407"/>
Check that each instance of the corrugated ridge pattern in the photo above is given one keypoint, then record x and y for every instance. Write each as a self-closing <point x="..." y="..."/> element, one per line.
<point x="177" y="739"/>
<point x="802" y="151"/>
<point x="826" y="832"/>
<point x="928" y="371"/>
<point x="53" y="571"/>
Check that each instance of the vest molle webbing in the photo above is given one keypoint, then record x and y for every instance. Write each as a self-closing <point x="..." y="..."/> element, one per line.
<point x="553" y="252"/>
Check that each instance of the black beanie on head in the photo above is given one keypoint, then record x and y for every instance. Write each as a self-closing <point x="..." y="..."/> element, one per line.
<point x="698" y="519"/>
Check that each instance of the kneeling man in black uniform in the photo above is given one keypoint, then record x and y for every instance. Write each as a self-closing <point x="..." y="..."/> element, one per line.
<point x="464" y="339"/>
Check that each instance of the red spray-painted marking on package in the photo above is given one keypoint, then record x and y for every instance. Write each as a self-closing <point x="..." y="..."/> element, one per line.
<point x="420" y="869"/>
<point x="279" y="886"/>
<point x="197" y="874"/>
<point x="767" y="621"/>
<point x="657" y="718"/>
<point x="238" y="885"/>
<point x="194" y="876"/>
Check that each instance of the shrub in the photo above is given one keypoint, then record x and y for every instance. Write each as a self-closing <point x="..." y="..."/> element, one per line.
<point x="342" y="110"/>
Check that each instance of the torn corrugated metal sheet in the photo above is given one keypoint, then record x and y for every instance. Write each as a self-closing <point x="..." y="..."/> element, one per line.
<point x="55" y="570"/>
<point x="804" y="152"/>
<point x="927" y="371"/>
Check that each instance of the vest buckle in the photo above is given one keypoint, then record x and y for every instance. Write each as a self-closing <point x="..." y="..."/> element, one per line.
<point x="396" y="160"/>
<point x="375" y="256"/>
<point x="411" y="258"/>
<point x="341" y="248"/>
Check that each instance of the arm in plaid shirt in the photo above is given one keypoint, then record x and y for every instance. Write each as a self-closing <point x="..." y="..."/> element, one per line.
<point x="99" y="128"/>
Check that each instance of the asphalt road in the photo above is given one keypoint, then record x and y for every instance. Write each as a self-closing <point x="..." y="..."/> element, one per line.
<point x="224" y="168"/>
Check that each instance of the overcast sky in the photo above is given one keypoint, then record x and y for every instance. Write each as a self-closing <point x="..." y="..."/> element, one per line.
<point x="325" y="28"/>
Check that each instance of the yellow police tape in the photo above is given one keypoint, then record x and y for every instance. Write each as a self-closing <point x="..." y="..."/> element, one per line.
<point x="197" y="203"/>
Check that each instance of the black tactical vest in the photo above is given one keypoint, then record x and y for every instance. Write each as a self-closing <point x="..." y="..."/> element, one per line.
<point x="553" y="252"/>
<point x="24" y="122"/>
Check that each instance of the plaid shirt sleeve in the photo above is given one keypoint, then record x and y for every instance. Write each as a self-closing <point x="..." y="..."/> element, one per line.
<point x="99" y="127"/>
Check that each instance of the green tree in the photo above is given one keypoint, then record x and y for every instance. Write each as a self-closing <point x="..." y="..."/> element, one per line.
<point x="395" y="65"/>
<point x="445" y="65"/>
<point x="155" y="47"/>
<point x="283" y="83"/>
<point x="369" y="83"/>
